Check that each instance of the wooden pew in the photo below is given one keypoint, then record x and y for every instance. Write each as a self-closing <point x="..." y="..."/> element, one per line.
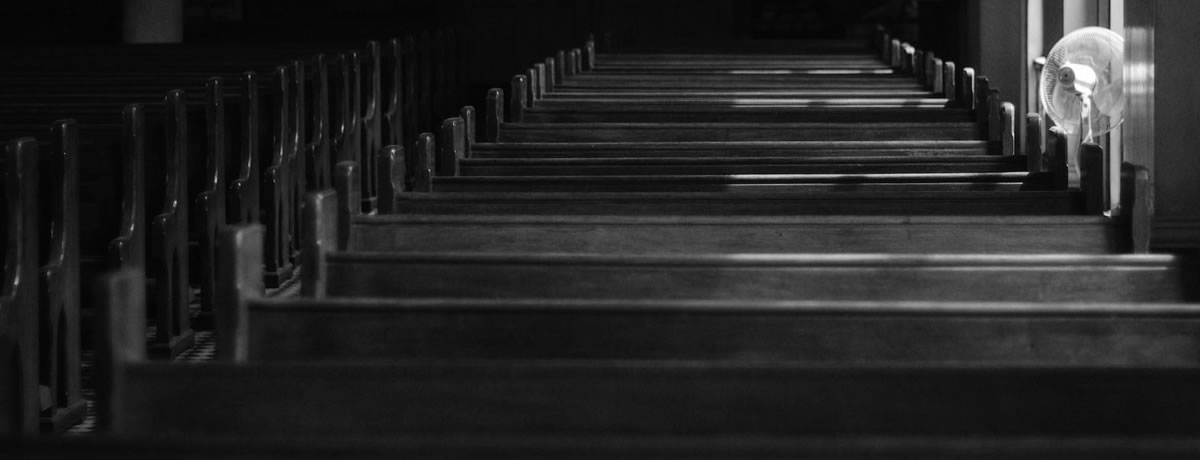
<point x="487" y="148"/>
<point x="19" y="304"/>
<point x="341" y="401"/>
<point x="598" y="226"/>
<point x="835" y="100"/>
<point x="700" y="194"/>
<point x="59" y="281"/>
<point x="348" y="329"/>
<point x="55" y="202"/>
<point x="796" y="274"/>
<point x="56" y="344"/>
<point x="708" y="132"/>
<point x="1049" y="277"/>
<point x="439" y="329"/>
<point x="659" y="112"/>
<point x="102" y="130"/>
<point x="245" y="203"/>
<point x="349" y="73"/>
<point x="522" y="166"/>
<point x="457" y="146"/>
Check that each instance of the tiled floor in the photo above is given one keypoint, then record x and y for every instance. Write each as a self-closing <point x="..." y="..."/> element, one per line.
<point x="204" y="349"/>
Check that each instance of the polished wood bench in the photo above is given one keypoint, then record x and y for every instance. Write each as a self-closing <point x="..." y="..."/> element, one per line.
<point x="770" y="400"/>
<point x="795" y="274"/>
<point x="695" y="201"/>
<point x="1012" y="277"/>
<point x="19" y="306"/>
<point x="56" y="321"/>
<point x="156" y="243"/>
<point x="334" y="329"/>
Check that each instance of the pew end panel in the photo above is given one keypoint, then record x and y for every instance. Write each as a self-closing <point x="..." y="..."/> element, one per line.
<point x="589" y="54"/>
<point x="1136" y="209"/>
<point x="425" y="155"/>
<point x="298" y="156"/>
<point x="371" y="133"/>
<point x="345" y="180"/>
<point x="897" y="55"/>
<point x="168" y="262"/>
<point x="392" y="175"/>
<point x="519" y="101"/>
<point x="128" y="249"/>
<point x="241" y="280"/>
<point x="561" y="65"/>
<point x="20" y="399"/>
<point x="549" y="76"/>
<point x="393" y="82"/>
<point x="1008" y="128"/>
<point x="59" y="335"/>
<point x="319" y="159"/>
<point x="467" y="114"/>
<point x="210" y="204"/>
<point x="244" y="187"/>
<point x="452" y="147"/>
<point x="1092" y="178"/>
<point x="494" y="116"/>
<point x="321" y="237"/>
<point x="1033" y="143"/>
<point x="120" y="341"/>
<point x="572" y="64"/>
<point x="949" y="79"/>
<point x="937" y="82"/>
<point x="539" y="81"/>
<point x="277" y="177"/>
<point x="967" y="97"/>
<point x="983" y="106"/>
<point x="1056" y="158"/>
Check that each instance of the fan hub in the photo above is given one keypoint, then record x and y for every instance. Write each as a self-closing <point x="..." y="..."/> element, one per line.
<point x="1081" y="78"/>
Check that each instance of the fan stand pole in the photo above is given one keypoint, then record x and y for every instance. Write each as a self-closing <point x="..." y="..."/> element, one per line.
<point x="1074" y="140"/>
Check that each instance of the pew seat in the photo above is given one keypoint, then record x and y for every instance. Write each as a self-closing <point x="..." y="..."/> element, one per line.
<point x="1047" y="334"/>
<point x="644" y="234"/>
<point x="732" y="149"/>
<point x="351" y="401"/>
<point x="760" y="110"/>
<point x="710" y="132"/>
<point x="1010" y="277"/>
<point x="736" y="183"/>
<point x="748" y="203"/>
<point x="518" y="165"/>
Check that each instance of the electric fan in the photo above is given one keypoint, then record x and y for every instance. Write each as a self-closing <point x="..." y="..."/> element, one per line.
<point x="1082" y="82"/>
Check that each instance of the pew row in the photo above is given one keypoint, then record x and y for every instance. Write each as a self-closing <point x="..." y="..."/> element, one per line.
<point x="335" y="329"/>
<point x="21" y="403"/>
<point x="596" y="398"/>
<point x="59" y="330"/>
<point x="424" y="272"/>
<point x="1015" y="277"/>
<point x="56" y="325"/>
<point x="705" y="195"/>
<point x="488" y="149"/>
<point x="618" y="228"/>
<point x="521" y="166"/>
<point x="712" y="132"/>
